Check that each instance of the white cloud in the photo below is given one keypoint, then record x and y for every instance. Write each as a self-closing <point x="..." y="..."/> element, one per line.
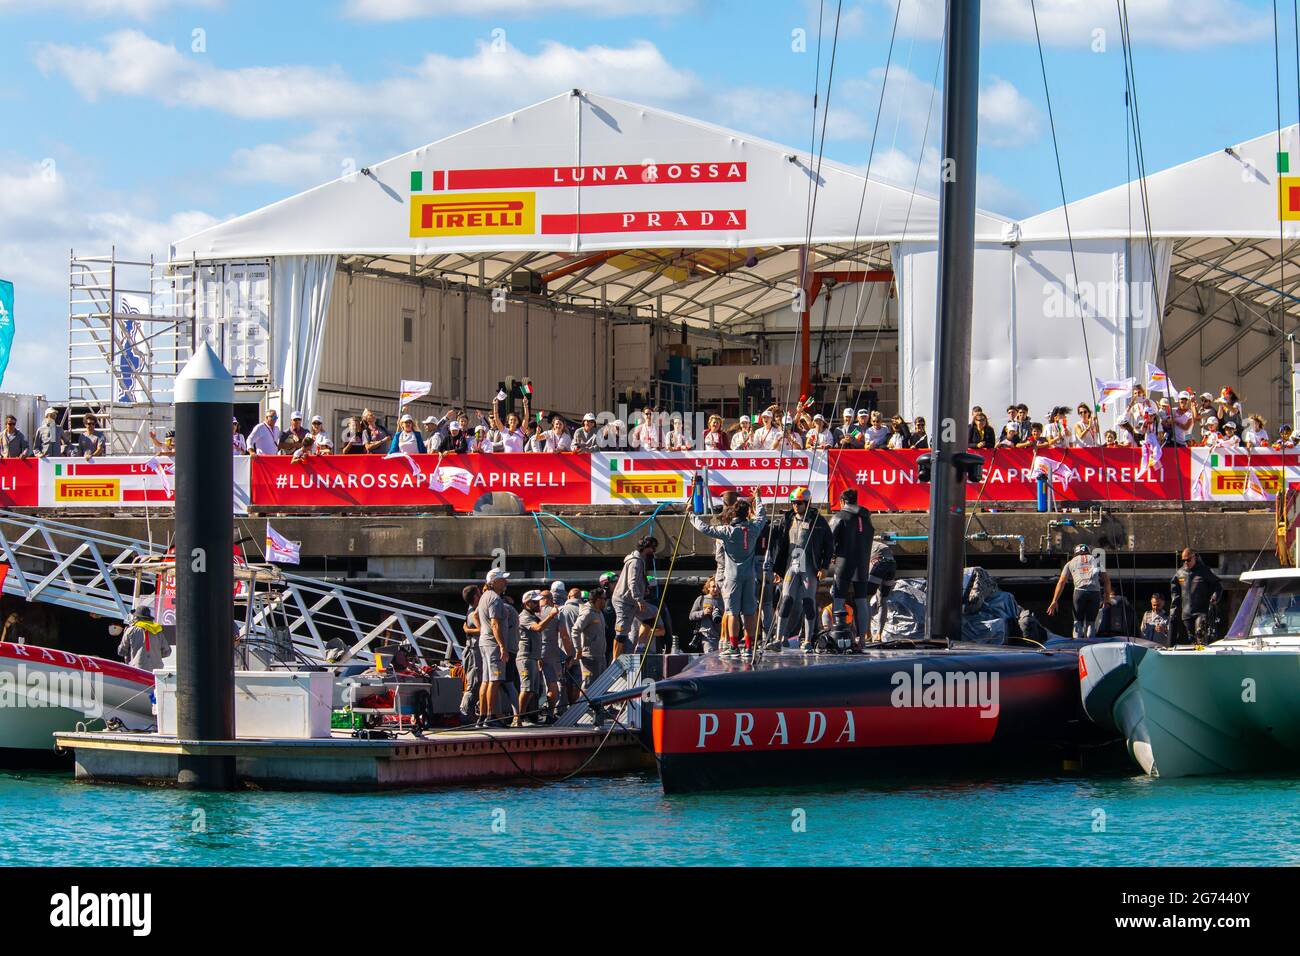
<point x="47" y="212"/>
<point x="1007" y="118"/>
<point x="138" y="9"/>
<point x="412" y="9"/>
<point x="432" y="96"/>
<point x="1181" y="24"/>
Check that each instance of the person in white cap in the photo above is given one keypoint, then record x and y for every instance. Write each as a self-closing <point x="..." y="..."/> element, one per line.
<point x="1184" y="418"/>
<point x="321" y="443"/>
<point x="742" y="436"/>
<point x="788" y="439"/>
<point x="479" y="441"/>
<point x="536" y="625"/>
<point x="429" y="431"/>
<point x="587" y="437"/>
<point x="493" y="616"/>
<point x="407" y="441"/>
<point x="842" y="434"/>
<point x="49" y="439"/>
<point x="816" y="432"/>
<point x="766" y="435"/>
<point x="238" y="442"/>
<point x="296" y="433"/>
<point x="558" y="437"/>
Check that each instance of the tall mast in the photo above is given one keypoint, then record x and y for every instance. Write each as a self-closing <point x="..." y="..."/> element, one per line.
<point x="953" y="334"/>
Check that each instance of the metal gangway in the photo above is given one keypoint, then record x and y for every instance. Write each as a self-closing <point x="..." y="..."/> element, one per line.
<point x="106" y="574"/>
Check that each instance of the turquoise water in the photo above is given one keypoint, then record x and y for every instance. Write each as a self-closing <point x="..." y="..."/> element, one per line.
<point x="45" y="819"/>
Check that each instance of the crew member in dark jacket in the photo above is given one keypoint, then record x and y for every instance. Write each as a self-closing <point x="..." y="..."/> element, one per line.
<point x="852" y="533"/>
<point x="1194" y="589"/>
<point x="801" y="550"/>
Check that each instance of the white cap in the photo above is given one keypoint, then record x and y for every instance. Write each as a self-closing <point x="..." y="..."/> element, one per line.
<point x="317" y="420"/>
<point x="496" y="574"/>
<point x="744" y="419"/>
<point x="848" y="413"/>
<point x="589" y="417"/>
<point x="454" y="426"/>
<point x="51" y="413"/>
<point x="864" y="411"/>
<point x="532" y="596"/>
<point x="406" y="418"/>
<point x="430" y="421"/>
<point x="787" y="420"/>
<point x="767" y="413"/>
<point x="819" y="417"/>
<point x="558" y="587"/>
<point x="480" y="428"/>
<point x="295" y="415"/>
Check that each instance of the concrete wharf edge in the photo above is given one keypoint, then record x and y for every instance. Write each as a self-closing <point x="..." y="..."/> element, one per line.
<point x="448" y="759"/>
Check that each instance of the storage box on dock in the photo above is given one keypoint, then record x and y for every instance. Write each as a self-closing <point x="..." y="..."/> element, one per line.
<point x="292" y="705"/>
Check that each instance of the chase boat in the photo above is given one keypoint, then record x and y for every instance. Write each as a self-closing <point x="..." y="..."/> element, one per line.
<point x="1232" y="706"/>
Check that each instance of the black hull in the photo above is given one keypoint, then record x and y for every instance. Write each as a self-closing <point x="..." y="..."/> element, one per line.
<point x="796" y="720"/>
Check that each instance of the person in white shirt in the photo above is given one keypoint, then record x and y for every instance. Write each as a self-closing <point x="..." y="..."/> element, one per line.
<point x="742" y="438"/>
<point x="558" y="438"/>
<point x="266" y="438"/>
<point x="647" y="432"/>
<point x="241" y="446"/>
<point x="407" y="440"/>
<point x="1142" y="413"/>
<point x="788" y="439"/>
<point x="817" y="435"/>
<point x="1255" y="436"/>
<point x="321" y="444"/>
<point x="1228" y="437"/>
<point x="842" y="434"/>
<point x="1183" y="417"/>
<point x="1057" y="434"/>
<point x="765" y="435"/>
<point x="507" y="435"/>
<point x="715" y="439"/>
<point x="1210" y="432"/>
<point x="1087" y="432"/>
<point x="877" y="433"/>
<point x="480" y="442"/>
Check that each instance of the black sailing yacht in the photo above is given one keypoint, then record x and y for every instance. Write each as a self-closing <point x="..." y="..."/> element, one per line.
<point x="931" y="704"/>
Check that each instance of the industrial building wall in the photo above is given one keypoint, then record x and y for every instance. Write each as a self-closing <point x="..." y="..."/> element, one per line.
<point x="1212" y="342"/>
<point x="381" y="330"/>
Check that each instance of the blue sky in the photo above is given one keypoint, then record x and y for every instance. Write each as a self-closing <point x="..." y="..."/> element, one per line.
<point x="123" y="125"/>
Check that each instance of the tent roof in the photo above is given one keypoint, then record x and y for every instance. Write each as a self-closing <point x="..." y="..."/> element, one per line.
<point x="599" y="234"/>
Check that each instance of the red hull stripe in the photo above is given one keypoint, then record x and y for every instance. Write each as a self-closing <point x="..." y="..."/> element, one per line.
<point x="55" y="658"/>
<point x="803" y="728"/>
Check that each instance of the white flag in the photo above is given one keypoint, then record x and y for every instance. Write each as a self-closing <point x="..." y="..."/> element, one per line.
<point x="1052" y="470"/>
<point x="1109" y="389"/>
<point x="1201" y="487"/>
<point x="1152" y="451"/>
<point x="455" y="478"/>
<point x="415" y="465"/>
<point x="1254" y="491"/>
<point x="1158" y="381"/>
<point x="279" y="548"/>
<point x="161" y="471"/>
<point x="411" y="390"/>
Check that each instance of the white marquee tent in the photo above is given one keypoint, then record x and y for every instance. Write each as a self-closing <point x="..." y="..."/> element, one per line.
<point x="624" y="206"/>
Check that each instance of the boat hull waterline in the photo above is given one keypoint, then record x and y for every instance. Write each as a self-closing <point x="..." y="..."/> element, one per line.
<point x="1227" y="708"/>
<point x="44" y="691"/>
<point x="807" y="719"/>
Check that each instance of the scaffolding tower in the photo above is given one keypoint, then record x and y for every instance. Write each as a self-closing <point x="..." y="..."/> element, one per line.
<point x="130" y="332"/>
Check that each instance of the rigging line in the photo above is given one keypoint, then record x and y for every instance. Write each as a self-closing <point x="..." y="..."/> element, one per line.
<point x="1140" y="158"/>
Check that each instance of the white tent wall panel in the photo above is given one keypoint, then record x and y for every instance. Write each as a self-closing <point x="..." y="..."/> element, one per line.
<point x="1260" y="392"/>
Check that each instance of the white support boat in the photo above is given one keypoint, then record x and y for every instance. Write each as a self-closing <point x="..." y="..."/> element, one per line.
<point x="1228" y="707"/>
<point x="44" y="690"/>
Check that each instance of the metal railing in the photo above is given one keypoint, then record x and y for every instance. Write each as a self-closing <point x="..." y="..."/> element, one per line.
<point x="107" y="574"/>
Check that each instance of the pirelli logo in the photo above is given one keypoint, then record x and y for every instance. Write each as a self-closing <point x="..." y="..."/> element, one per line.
<point x="646" y="486"/>
<point x="1231" y="481"/>
<point x="87" y="489"/>
<point x="474" y="214"/>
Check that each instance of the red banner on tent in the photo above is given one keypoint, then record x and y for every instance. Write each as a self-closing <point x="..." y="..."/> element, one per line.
<point x="20" y="482"/>
<point x="886" y="480"/>
<point x="351" y="481"/>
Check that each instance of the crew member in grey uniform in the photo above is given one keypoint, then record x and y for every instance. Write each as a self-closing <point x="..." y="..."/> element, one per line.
<point x="631" y="608"/>
<point x="589" y="642"/>
<point x="528" y="659"/>
<point x="880" y="580"/>
<point x="572" y="670"/>
<point x="1085" y="571"/>
<point x="853" y="533"/>
<point x="492" y="620"/>
<point x="706" y="615"/>
<point x="143" y="643"/>
<point x="739" y="540"/>
<point x="554" y="646"/>
<point x="49" y="440"/>
<point x="800" y="548"/>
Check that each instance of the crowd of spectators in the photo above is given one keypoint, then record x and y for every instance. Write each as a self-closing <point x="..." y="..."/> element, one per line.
<point x="1188" y="420"/>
